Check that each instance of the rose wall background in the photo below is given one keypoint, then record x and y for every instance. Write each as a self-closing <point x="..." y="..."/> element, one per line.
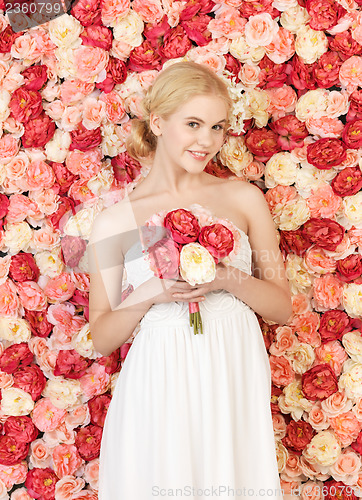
<point x="68" y="92"/>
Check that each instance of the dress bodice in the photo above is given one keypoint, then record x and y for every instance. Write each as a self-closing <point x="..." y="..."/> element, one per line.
<point x="217" y="303"/>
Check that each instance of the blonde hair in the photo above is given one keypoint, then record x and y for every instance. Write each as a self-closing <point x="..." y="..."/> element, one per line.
<point x="172" y="87"/>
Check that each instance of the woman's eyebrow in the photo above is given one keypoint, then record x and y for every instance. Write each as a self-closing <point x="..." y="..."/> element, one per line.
<point x="202" y="121"/>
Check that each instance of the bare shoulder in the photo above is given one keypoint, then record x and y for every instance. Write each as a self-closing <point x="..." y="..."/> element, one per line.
<point x="247" y="196"/>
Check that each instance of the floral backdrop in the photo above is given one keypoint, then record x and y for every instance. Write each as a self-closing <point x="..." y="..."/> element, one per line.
<point x="69" y="89"/>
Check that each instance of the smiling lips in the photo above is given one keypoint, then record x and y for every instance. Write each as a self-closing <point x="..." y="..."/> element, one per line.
<point x="198" y="155"/>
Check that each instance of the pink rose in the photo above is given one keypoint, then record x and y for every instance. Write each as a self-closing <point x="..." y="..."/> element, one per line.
<point x="260" y="30"/>
<point x="32" y="296"/>
<point x="40" y="483"/>
<point x="66" y="460"/>
<point x="60" y="288"/>
<point x="9" y="147"/>
<point x="90" y="61"/>
<point x="68" y="486"/>
<point x="327" y="292"/>
<point x="95" y="381"/>
<point x="97" y="36"/>
<point x="164" y="258"/>
<point x="13" y="474"/>
<point x="282" y="372"/>
<point x="46" y="416"/>
<point x="324" y="13"/>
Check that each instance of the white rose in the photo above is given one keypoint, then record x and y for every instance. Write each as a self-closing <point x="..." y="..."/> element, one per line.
<point x="102" y="182"/>
<point x="18" y="237"/>
<point x="311" y="178"/>
<point x="111" y="143"/>
<point x="351" y="380"/>
<point x="235" y="155"/>
<point x="292" y="400"/>
<point x="64" y="31"/>
<point x="50" y="263"/>
<point x="292" y="215"/>
<point x="66" y="67"/>
<point x="299" y="278"/>
<point x="57" y="148"/>
<point x="63" y="393"/>
<point x="301" y="357"/>
<point x="129" y="29"/>
<point x="240" y="49"/>
<point x="282" y="455"/>
<point x="196" y="264"/>
<point x="324" y="449"/>
<point x="280" y="169"/>
<point x="352" y="342"/>
<point x="81" y="223"/>
<point x="352" y="208"/>
<point x="4" y="105"/>
<point x="16" y="402"/>
<point x="258" y="102"/>
<point x="352" y="299"/>
<point x="312" y="104"/>
<point x="83" y="344"/>
<point x="130" y="86"/>
<point x="14" y="329"/>
<point x="294" y="18"/>
<point x="310" y="44"/>
<point x="283" y="5"/>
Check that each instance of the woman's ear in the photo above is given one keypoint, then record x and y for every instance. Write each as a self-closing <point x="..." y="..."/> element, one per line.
<point x="155" y="124"/>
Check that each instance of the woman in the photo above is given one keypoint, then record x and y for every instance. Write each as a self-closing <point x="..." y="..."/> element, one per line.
<point x="190" y="414"/>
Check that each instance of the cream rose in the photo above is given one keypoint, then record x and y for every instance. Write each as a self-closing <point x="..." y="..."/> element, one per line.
<point x="292" y="215"/>
<point x="81" y="223"/>
<point x="235" y="155"/>
<point x="14" y="329"/>
<point x="281" y="454"/>
<point x="258" y="102"/>
<point x="83" y="344"/>
<point x="4" y="104"/>
<point x="299" y="278"/>
<point x="310" y="178"/>
<point x="292" y="400"/>
<point x="18" y="237"/>
<point x="294" y="18"/>
<point x="196" y="264"/>
<point x="16" y="402"/>
<point x="352" y="299"/>
<point x="352" y="209"/>
<point x="64" y="31"/>
<point x="129" y="29"/>
<point x="310" y="44"/>
<point x="57" y="148"/>
<point x="280" y="169"/>
<point x="352" y="342"/>
<point x="351" y="380"/>
<point x="50" y="263"/>
<point x="63" y="393"/>
<point x="301" y="357"/>
<point x="240" y="49"/>
<point x="312" y="104"/>
<point x="111" y="142"/>
<point x="324" y="449"/>
<point x="102" y="182"/>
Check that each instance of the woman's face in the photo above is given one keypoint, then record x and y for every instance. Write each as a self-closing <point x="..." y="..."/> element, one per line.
<point x="192" y="135"/>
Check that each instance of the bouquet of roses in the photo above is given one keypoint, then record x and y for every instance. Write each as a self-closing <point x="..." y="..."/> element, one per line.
<point x="185" y="247"/>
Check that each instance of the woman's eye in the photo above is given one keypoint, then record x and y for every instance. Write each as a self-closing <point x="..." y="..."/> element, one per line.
<point x="192" y="123"/>
<point x="220" y="127"/>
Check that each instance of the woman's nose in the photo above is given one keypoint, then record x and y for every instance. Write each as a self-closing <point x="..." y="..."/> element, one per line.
<point x="205" y="137"/>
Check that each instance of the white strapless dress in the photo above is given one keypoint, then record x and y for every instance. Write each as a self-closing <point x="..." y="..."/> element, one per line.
<point x="190" y="415"/>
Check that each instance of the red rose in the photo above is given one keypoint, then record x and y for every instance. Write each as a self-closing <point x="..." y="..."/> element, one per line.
<point x="196" y="30"/>
<point x="275" y="393"/>
<point x="192" y="8"/>
<point x="217" y="239"/>
<point x="345" y="45"/>
<point x="79" y="298"/>
<point x="30" y="379"/>
<point x="4" y="205"/>
<point x="155" y="32"/>
<point x="70" y="364"/>
<point x="352" y="134"/>
<point x="357" y="444"/>
<point x="144" y="57"/>
<point x="124" y="350"/>
<point x="355" y="107"/>
<point x="183" y="226"/>
<point x="125" y="168"/>
<point x="39" y="325"/>
<point x="302" y="75"/>
<point x="15" y="356"/>
<point x="66" y="208"/>
<point x="88" y="12"/>
<point x="84" y="139"/>
<point x="326" y="69"/>
<point x="293" y="242"/>
<point x="73" y="248"/>
<point x="324" y="13"/>
<point x="298" y="435"/>
<point x="347" y="182"/>
<point x="12" y="451"/>
<point x="25" y="104"/>
<point x="97" y="36"/>
<point x="21" y="429"/>
<point x="333" y="325"/>
<point x="88" y="441"/>
<point x="252" y="8"/>
<point x="38" y="131"/>
<point x="233" y="66"/>
<point x="263" y="143"/>
<point x="35" y="77"/>
<point x="98" y="407"/>
<point x="40" y="483"/>
<point x="116" y="73"/>
<point x="217" y="169"/>
<point x="291" y="131"/>
<point x="64" y="178"/>
<point x="7" y="38"/>
<point x="326" y="153"/>
<point x="111" y="363"/>
<point x="164" y="259"/>
<point x="175" y="43"/>
<point x="271" y="74"/>
<point x="319" y="382"/>
<point x="23" y="268"/>
<point x="337" y="489"/>
<point x="349" y="268"/>
<point x="325" y="233"/>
